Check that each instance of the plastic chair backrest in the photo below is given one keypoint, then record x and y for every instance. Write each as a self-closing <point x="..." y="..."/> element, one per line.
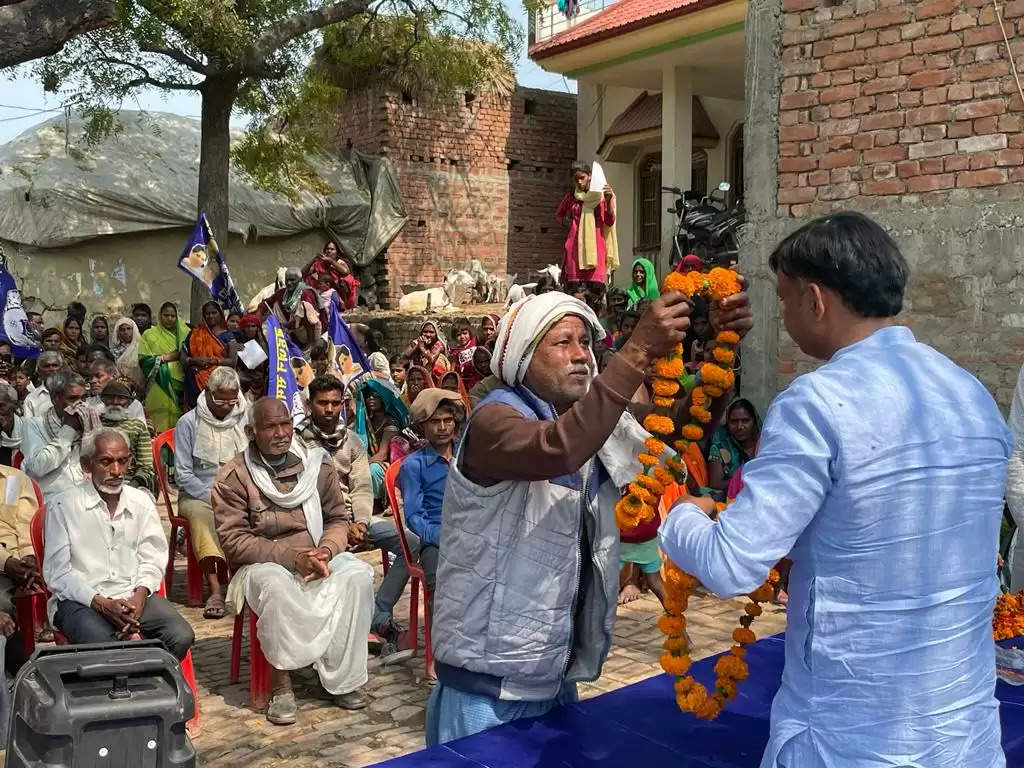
<point x="35" y="532"/>
<point x="163" y="440"/>
<point x="16" y="459"/>
<point x="390" y="479"/>
<point x="38" y="492"/>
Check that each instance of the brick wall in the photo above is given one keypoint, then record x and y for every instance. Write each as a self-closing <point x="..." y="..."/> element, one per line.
<point x="480" y="176"/>
<point x="889" y="103"/>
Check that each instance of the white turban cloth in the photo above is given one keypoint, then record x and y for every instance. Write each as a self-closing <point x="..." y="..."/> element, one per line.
<point x="519" y="333"/>
<point x="526" y="323"/>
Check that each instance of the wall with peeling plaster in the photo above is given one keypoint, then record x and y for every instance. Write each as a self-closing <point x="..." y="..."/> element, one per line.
<point x="109" y="274"/>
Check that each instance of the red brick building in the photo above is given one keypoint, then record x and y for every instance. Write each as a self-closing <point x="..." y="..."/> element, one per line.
<point x="480" y="175"/>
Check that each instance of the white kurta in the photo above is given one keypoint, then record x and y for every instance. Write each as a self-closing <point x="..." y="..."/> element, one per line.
<point x="323" y="623"/>
<point x="881" y="474"/>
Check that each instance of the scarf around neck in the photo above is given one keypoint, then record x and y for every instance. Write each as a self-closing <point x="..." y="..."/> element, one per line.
<point x="311" y="433"/>
<point x="304" y="493"/>
<point x="218" y="441"/>
<point x="586" y="234"/>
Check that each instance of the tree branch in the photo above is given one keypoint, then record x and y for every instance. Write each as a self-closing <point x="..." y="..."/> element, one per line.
<point x="298" y="25"/>
<point x="179" y="56"/>
<point x="32" y="29"/>
<point x="146" y="78"/>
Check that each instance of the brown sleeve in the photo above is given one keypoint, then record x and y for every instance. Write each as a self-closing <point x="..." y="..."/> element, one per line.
<point x="231" y="515"/>
<point x="335" y="514"/>
<point x="503" y="445"/>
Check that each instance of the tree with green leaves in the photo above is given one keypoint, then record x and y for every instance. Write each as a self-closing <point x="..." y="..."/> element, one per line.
<point x="252" y="58"/>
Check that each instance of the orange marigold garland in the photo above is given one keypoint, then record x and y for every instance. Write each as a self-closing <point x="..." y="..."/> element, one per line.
<point x="1008" y="617"/>
<point x="636" y="507"/>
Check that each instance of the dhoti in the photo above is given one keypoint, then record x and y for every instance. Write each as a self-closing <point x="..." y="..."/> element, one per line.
<point x="323" y="623"/>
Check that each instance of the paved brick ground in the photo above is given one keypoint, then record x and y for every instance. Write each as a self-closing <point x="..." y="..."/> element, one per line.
<point x="234" y="735"/>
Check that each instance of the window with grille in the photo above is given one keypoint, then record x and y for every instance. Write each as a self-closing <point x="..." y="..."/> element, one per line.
<point x="649" y="203"/>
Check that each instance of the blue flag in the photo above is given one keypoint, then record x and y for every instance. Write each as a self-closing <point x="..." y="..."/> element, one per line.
<point x="345" y="345"/>
<point x="15" y="329"/>
<point x="281" y="383"/>
<point x="213" y="273"/>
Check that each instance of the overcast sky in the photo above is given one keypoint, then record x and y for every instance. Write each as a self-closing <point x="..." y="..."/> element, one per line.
<point x="22" y="98"/>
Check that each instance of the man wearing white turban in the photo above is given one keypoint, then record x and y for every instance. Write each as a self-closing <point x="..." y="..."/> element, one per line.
<point x="528" y="573"/>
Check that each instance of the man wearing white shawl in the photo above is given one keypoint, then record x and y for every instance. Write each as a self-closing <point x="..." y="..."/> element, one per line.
<point x="205" y="439"/>
<point x="282" y="522"/>
<point x="528" y="574"/>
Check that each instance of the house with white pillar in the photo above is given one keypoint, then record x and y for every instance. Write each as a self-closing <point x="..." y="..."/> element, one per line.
<point x="660" y="102"/>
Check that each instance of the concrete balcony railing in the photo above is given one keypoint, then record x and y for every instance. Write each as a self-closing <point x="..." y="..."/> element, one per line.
<point x="549" y="21"/>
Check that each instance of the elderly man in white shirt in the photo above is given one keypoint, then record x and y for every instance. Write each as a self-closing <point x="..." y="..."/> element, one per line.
<point x="37" y="402"/>
<point x="105" y="555"/>
<point x="881" y="475"/>
<point x="51" y="442"/>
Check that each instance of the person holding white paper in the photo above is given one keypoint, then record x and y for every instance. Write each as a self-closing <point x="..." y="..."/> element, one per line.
<point x="591" y="248"/>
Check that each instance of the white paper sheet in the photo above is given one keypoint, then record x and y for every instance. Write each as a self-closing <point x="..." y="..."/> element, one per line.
<point x="597" y="178"/>
<point x="252" y="354"/>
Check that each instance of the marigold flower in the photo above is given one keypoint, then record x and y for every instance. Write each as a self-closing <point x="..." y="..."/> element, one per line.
<point x="625" y="522"/>
<point x="753" y="609"/>
<point x="693" y="698"/>
<point x="693" y="432"/>
<point x="647" y="459"/>
<point x="728" y="337"/>
<point x="727" y="687"/>
<point x="676" y="282"/>
<point x="659" y="425"/>
<point x="668" y="368"/>
<point x="654" y="445"/>
<point x="676" y="644"/>
<point x="645" y="496"/>
<point x="677" y="468"/>
<point x="676" y="578"/>
<point x="663" y="402"/>
<point x="662" y="475"/>
<point x="701" y="414"/>
<point x="698" y="396"/>
<point x="630" y="505"/>
<point x="724" y="355"/>
<point x="665" y="387"/>
<point x="762" y="594"/>
<point x="731" y="667"/>
<point x="738" y="651"/>
<point x="709" y="709"/>
<point x="650" y="484"/>
<point x="722" y="282"/>
<point x="676" y="604"/>
<point x="672" y="625"/>
<point x="713" y="391"/>
<point x="684" y="685"/>
<point x="743" y="636"/>
<point x="716" y="376"/>
<point x="675" y="665"/>
<point x="773" y="576"/>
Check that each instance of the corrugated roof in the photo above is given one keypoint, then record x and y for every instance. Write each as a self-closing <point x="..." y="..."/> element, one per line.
<point x="623" y="16"/>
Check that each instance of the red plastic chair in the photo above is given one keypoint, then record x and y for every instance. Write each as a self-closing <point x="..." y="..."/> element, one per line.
<point x="16" y="459"/>
<point x="259" y="667"/>
<point x="187" y="669"/>
<point x="416" y="575"/>
<point x="193" y="573"/>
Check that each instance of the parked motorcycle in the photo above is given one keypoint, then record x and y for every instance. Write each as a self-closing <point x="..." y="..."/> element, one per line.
<point x="706" y="225"/>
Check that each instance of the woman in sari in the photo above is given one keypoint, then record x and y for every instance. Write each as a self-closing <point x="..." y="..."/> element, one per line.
<point x="100" y="331"/>
<point x="429" y="350"/>
<point x="159" y="358"/>
<point x="380" y="418"/>
<point x="125" y="348"/>
<point x="417" y="378"/>
<point x="71" y="340"/>
<point x="733" y="444"/>
<point x="644" y="285"/>
<point x="208" y="345"/>
<point x="453" y="383"/>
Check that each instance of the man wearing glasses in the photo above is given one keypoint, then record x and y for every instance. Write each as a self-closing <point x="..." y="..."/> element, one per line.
<point x="205" y="439"/>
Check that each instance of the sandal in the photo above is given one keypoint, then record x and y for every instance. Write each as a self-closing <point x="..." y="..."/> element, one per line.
<point x="215" y="608"/>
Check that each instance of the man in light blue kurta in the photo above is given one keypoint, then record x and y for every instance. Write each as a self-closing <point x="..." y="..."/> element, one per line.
<point x="881" y="475"/>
